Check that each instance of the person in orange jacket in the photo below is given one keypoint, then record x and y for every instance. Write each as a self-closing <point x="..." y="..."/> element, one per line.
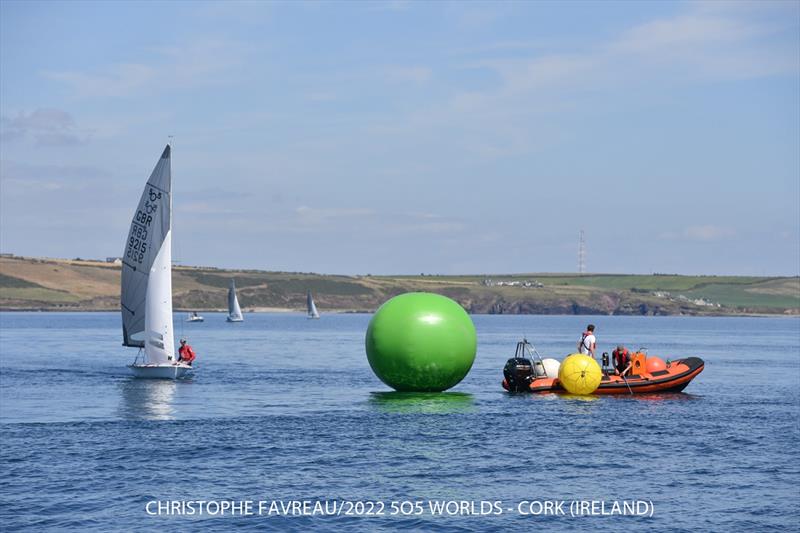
<point x="186" y="353"/>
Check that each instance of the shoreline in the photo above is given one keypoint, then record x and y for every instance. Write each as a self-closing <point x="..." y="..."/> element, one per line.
<point x="35" y="285"/>
<point x="286" y="310"/>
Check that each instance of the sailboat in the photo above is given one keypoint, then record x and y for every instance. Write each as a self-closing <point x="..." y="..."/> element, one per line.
<point x="312" y="309"/>
<point x="234" y="311"/>
<point x="194" y="317"/>
<point x="146" y="295"/>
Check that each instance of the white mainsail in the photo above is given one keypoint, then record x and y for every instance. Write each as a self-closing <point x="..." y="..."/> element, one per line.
<point x="146" y="295"/>
<point x="234" y="311"/>
<point x="312" y="308"/>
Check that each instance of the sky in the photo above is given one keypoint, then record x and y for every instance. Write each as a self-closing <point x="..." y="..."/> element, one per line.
<point x="409" y="137"/>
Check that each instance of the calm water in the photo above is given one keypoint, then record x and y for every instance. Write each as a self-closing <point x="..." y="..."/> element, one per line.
<point x="283" y="408"/>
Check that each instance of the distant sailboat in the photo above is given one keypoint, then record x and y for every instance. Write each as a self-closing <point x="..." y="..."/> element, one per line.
<point x="312" y="309"/>
<point x="234" y="311"/>
<point x="146" y="295"/>
<point x="194" y="317"/>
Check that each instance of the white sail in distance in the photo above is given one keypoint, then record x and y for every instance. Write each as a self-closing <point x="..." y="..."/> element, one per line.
<point x="234" y="311"/>
<point x="312" y="308"/>
<point x="146" y="292"/>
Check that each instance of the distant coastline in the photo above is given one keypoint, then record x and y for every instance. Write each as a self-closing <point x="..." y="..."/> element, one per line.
<point x="52" y="284"/>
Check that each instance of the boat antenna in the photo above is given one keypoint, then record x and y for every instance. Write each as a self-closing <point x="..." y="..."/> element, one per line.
<point x="533" y="351"/>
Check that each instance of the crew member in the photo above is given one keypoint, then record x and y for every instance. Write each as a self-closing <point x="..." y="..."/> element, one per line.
<point x="588" y="342"/>
<point x="185" y="353"/>
<point x="622" y="358"/>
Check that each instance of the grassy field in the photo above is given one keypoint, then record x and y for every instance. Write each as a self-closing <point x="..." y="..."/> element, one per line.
<point x="729" y="291"/>
<point x="37" y="294"/>
<point x="32" y="283"/>
<point x="770" y="293"/>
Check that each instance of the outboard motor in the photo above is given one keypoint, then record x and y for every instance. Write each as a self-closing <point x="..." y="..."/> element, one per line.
<point x="518" y="373"/>
<point x="519" y="370"/>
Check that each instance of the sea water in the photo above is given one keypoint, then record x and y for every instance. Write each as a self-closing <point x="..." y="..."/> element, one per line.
<point x="285" y="427"/>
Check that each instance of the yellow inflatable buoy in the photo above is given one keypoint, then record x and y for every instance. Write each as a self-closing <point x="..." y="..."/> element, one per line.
<point x="580" y="374"/>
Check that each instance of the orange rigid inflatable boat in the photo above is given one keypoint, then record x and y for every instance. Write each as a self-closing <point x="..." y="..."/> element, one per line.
<point x="523" y="375"/>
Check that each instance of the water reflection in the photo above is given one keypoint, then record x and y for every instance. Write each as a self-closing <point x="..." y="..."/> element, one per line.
<point x="147" y="399"/>
<point x="659" y="397"/>
<point x="422" y="402"/>
<point x="579" y="397"/>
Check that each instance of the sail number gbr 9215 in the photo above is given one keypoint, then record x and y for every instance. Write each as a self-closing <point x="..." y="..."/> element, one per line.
<point x="137" y="241"/>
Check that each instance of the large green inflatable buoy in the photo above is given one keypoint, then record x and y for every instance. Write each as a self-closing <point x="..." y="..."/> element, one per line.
<point x="421" y="342"/>
<point x="579" y="374"/>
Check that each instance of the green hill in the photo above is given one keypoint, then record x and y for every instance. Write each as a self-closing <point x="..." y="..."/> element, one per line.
<point x="58" y="284"/>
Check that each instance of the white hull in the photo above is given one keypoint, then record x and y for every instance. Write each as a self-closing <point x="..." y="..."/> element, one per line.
<point x="160" y="371"/>
<point x="198" y="319"/>
<point x="313" y="317"/>
<point x="229" y="319"/>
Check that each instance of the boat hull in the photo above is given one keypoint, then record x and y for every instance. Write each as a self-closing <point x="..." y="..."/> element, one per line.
<point x="674" y="379"/>
<point x="229" y="319"/>
<point x="160" y="371"/>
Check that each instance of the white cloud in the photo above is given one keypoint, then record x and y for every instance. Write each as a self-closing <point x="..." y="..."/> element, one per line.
<point x="391" y="5"/>
<point x="499" y="46"/>
<point x="706" y="232"/>
<point x="322" y="96"/>
<point x="418" y="75"/>
<point x="429" y="228"/>
<point x="522" y="75"/>
<point x="23" y="177"/>
<point x="204" y="208"/>
<point x="203" y="62"/>
<point x="707" y="45"/>
<point x="206" y="62"/>
<point x="117" y="80"/>
<point x="531" y="91"/>
<point x="47" y="127"/>
<point x="360" y="219"/>
<point x="682" y="31"/>
<point x="313" y="216"/>
<point x="473" y="16"/>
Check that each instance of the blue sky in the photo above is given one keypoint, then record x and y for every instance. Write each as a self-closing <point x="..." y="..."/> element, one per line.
<point x="408" y="137"/>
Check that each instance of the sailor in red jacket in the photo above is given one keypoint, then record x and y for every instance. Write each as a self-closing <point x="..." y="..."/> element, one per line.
<point x="185" y="353"/>
<point x="622" y="359"/>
